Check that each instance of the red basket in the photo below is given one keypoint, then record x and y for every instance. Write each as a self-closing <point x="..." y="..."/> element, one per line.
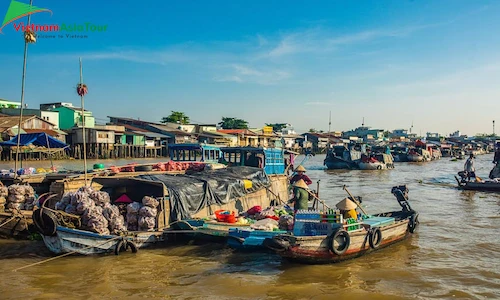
<point x="227" y="218"/>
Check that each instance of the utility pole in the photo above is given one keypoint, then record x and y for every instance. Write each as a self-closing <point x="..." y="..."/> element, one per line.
<point x="26" y="42"/>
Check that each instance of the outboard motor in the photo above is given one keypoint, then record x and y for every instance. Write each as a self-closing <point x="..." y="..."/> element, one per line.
<point x="401" y="193"/>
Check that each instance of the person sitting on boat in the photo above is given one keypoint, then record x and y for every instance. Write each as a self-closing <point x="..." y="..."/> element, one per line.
<point x="301" y="176"/>
<point x="254" y="161"/>
<point x="496" y="158"/>
<point x="469" y="167"/>
<point x="300" y="195"/>
<point x="348" y="209"/>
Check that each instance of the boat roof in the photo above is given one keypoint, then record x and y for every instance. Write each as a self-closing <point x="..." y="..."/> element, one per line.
<point x="249" y="149"/>
<point x="193" y="146"/>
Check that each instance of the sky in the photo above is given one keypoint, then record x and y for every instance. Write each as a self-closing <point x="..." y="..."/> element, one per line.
<point x="435" y="64"/>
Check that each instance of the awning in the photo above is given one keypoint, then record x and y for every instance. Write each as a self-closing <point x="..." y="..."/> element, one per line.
<point x="36" y="139"/>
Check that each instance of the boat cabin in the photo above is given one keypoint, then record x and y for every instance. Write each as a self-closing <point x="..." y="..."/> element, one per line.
<point x="195" y="152"/>
<point x="270" y="159"/>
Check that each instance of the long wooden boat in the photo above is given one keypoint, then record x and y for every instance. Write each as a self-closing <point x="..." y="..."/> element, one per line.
<point x="487" y="185"/>
<point x="375" y="233"/>
<point x="68" y="240"/>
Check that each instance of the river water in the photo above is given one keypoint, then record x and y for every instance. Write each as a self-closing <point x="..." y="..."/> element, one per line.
<point x="454" y="255"/>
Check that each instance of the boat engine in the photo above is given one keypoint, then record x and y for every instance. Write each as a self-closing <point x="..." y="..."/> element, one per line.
<point x="401" y="194"/>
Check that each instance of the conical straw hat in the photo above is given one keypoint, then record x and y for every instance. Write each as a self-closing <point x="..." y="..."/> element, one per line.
<point x="346" y="204"/>
<point x="301" y="184"/>
<point x="300" y="168"/>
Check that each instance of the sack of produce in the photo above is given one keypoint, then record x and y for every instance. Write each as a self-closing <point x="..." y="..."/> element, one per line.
<point x="150" y="201"/>
<point x="4" y="191"/>
<point x="84" y="205"/>
<point x="61" y="204"/>
<point x="147" y="211"/>
<point x="2" y="200"/>
<point x="100" y="198"/>
<point x="70" y="209"/>
<point x="133" y="208"/>
<point x="286" y="222"/>
<point x="146" y="223"/>
<point x="77" y="197"/>
<point x="30" y="203"/>
<point x="15" y="206"/>
<point x="265" y="224"/>
<point x="16" y="198"/>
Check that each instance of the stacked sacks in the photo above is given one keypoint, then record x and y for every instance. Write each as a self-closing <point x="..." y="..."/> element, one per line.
<point x="4" y="192"/>
<point x="133" y="216"/>
<point x="147" y="214"/>
<point x="17" y="196"/>
<point x="29" y="194"/>
<point x="98" y="214"/>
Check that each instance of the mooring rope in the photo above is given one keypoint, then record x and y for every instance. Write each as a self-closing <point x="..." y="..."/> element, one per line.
<point x="65" y="254"/>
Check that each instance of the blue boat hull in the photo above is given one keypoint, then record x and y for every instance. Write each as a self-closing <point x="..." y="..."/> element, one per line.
<point x="249" y="240"/>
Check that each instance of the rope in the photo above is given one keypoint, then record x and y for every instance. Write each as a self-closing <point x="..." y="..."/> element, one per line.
<point x="4" y="223"/>
<point x="65" y="254"/>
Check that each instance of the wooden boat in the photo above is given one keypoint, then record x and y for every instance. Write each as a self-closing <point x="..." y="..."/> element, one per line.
<point x="16" y="224"/>
<point x="246" y="239"/>
<point x="198" y="229"/>
<point x="374" y="233"/>
<point x="481" y="185"/>
<point x="339" y="157"/>
<point x="377" y="162"/>
<point x="68" y="240"/>
<point x="62" y="232"/>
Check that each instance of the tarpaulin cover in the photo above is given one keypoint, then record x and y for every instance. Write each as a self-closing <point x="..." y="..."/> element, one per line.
<point x="37" y="139"/>
<point x="191" y="193"/>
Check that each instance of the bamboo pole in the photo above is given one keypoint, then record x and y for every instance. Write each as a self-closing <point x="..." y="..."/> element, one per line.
<point x="22" y="97"/>
<point x="83" y="127"/>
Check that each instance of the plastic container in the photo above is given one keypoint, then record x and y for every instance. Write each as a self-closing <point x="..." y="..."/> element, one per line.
<point x="225" y="216"/>
<point x="98" y="166"/>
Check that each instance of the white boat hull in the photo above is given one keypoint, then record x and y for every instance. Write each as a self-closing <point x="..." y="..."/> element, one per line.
<point x="83" y="242"/>
<point x="372" y="166"/>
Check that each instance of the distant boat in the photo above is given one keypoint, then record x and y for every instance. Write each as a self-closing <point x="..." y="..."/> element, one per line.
<point x="340" y="157"/>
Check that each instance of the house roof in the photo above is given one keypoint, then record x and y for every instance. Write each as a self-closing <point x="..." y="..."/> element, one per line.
<point x="151" y="134"/>
<point x="133" y="120"/>
<point x="47" y="131"/>
<point x="13" y="121"/>
<point x="237" y="131"/>
<point x="216" y="134"/>
<point x="133" y="128"/>
<point x="170" y="129"/>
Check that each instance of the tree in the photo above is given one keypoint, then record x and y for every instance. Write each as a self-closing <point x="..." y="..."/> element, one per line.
<point x="312" y="130"/>
<point x="277" y="126"/>
<point x="176" y="117"/>
<point x="233" y="123"/>
<point x="387" y="134"/>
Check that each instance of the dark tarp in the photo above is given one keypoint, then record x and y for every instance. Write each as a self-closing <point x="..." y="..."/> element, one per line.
<point x="37" y="139"/>
<point x="191" y="193"/>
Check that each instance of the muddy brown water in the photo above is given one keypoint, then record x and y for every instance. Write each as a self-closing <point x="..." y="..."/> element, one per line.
<point x="454" y="255"/>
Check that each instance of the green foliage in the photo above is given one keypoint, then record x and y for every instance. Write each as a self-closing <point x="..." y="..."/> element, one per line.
<point x="277" y="126"/>
<point x="312" y="130"/>
<point x="233" y="123"/>
<point x="176" y="117"/>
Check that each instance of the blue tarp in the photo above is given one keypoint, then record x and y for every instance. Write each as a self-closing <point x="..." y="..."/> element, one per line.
<point x="37" y="139"/>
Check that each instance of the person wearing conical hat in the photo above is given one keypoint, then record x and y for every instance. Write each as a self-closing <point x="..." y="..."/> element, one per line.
<point x="301" y="175"/>
<point x="300" y="195"/>
<point x="348" y="208"/>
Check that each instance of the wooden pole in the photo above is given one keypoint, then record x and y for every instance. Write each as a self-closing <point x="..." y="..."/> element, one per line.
<point x="83" y="128"/>
<point x="22" y="97"/>
<point x="354" y="200"/>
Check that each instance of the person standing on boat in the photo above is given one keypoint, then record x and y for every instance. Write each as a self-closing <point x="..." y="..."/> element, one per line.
<point x="301" y="176"/>
<point x="300" y="195"/>
<point x="469" y="167"/>
<point x="348" y="209"/>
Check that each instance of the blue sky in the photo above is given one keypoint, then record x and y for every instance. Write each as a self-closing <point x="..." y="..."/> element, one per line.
<point x="436" y="63"/>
